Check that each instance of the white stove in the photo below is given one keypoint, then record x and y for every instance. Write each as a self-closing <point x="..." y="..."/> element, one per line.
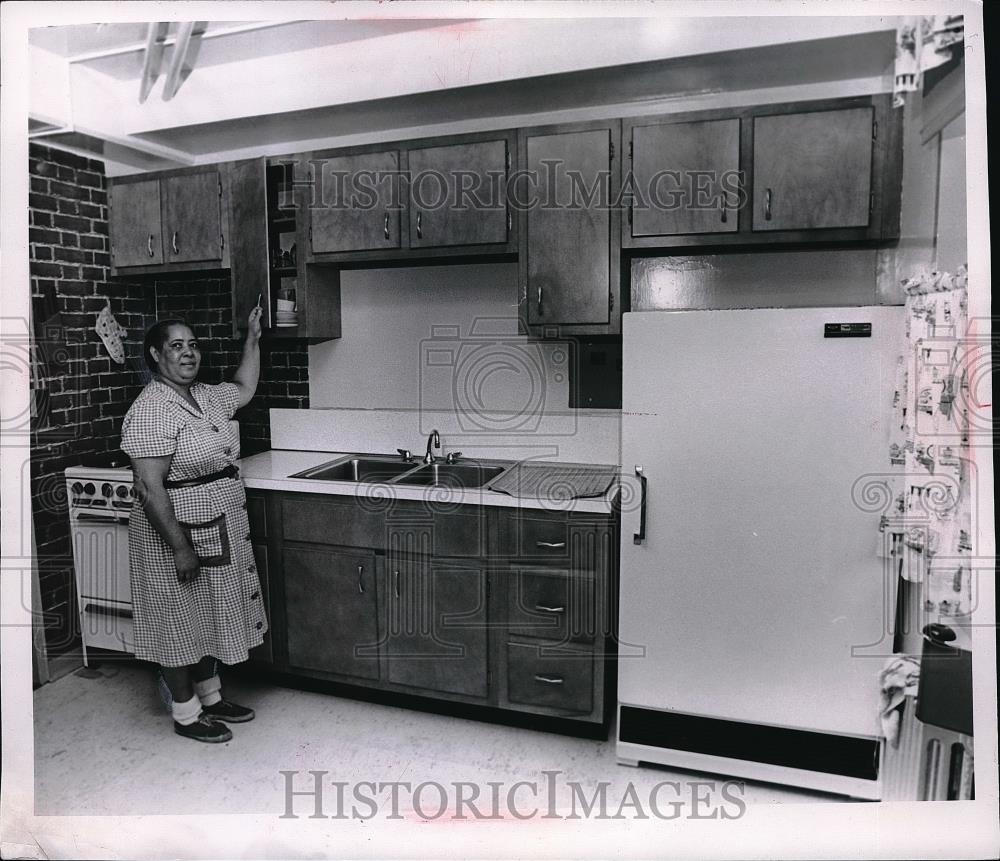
<point x="100" y="499"/>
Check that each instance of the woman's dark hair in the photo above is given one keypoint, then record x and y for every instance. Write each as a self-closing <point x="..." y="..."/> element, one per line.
<point x="157" y="337"/>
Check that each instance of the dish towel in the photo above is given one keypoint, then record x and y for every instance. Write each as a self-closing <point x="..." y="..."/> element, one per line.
<point x="897" y="681"/>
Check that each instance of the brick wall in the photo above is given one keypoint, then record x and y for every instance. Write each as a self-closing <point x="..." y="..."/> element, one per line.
<point x="80" y="395"/>
<point x="204" y="301"/>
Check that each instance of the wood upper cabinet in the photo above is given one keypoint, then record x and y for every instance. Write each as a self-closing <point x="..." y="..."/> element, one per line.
<point x="174" y="221"/>
<point x="813" y="170"/>
<point x="797" y="174"/>
<point x="331" y="611"/>
<point x="411" y="200"/>
<point x="192" y="217"/>
<point x="685" y="178"/>
<point x="355" y="205"/>
<point x="568" y="246"/>
<point x="134" y="224"/>
<point x="457" y="194"/>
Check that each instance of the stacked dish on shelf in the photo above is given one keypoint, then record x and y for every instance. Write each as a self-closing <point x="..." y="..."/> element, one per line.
<point x="286" y="315"/>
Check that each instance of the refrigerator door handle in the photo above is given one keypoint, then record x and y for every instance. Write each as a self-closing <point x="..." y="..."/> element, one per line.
<point x="640" y="536"/>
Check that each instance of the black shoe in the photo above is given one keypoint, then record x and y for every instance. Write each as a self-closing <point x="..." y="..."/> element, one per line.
<point x="228" y="712"/>
<point x="204" y="729"/>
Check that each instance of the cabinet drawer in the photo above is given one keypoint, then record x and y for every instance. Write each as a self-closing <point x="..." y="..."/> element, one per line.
<point x="107" y="626"/>
<point x="341" y="523"/>
<point x="564" y="681"/>
<point x="575" y="541"/>
<point x="437" y="531"/>
<point x="551" y="603"/>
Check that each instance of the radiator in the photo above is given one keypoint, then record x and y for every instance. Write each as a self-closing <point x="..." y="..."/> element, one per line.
<point x="928" y="763"/>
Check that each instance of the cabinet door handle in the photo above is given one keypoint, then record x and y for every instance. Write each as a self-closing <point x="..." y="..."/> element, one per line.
<point x="149" y="245"/>
<point x="722" y="206"/>
<point x="361" y="585"/>
<point x="552" y="545"/>
<point x="640" y="536"/>
<point x="420" y="221"/>
<point x="385" y="226"/>
<point x="539" y="300"/>
<point x="549" y="680"/>
<point x="767" y="205"/>
<point x="543" y="609"/>
<point x="509" y="222"/>
<point x="395" y="583"/>
<point x="173" y="242"/>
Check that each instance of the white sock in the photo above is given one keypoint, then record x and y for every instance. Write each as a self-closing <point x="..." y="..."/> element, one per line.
<point x="208" y="691"/>
<point x="186" y="713"/>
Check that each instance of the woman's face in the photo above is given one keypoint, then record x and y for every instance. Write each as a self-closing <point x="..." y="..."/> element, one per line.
<point x="180" y="357"/>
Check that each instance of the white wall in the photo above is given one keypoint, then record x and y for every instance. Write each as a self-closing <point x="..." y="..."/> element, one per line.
<point x="436" y="337"/>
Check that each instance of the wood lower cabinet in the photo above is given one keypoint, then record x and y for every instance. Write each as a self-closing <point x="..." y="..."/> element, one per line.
<point x="331" y="611"/>
<point x="504" y="608"/>
<point x="437" y="633"/>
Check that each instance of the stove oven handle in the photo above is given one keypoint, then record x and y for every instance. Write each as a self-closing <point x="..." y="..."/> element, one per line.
<point x="84" y="517"/>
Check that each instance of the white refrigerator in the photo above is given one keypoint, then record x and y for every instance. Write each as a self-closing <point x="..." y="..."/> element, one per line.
<point x="752" y="597"/>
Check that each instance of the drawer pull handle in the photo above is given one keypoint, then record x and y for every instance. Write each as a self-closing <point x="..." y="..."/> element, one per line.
<point x="361" y="584"/>
<point x="549" y="680"/>
<point x="543" y="609"/>
<point x="551" y="545"/>
<point x="101" y="610"/>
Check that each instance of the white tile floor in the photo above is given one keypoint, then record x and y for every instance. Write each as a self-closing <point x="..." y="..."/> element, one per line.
<point x="105" y="745"/>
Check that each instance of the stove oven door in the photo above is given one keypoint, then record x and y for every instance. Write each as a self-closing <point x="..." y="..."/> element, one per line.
<point x="100" y="551"/>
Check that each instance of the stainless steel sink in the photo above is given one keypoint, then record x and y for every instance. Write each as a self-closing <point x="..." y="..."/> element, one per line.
<point x="360" y="468"/>
<point x="452" y="475"/>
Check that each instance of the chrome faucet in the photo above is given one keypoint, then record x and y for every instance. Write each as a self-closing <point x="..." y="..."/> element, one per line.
<point x="434" y="439"/>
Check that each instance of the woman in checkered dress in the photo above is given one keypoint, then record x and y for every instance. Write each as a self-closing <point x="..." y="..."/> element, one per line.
<point x="195" y="590"/>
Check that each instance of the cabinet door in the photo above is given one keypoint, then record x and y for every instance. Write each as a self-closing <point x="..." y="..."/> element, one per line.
<point x="192" y="217"/>
<point x="686" y="178"/>
<point x="134" y="224"/>
<point x="458" y="195"/>
<point x="812" y="170"/>
<point x="568" y="274"/>
<point x="356" y="206"/>
<point x="437" y="632"/>
<point x="331" y="607"/>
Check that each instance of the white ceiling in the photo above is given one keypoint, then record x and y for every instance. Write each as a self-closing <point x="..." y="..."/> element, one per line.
<point x="278" y="86"/>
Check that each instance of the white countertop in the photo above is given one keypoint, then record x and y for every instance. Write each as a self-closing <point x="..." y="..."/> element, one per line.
<point x="270" y="470"/>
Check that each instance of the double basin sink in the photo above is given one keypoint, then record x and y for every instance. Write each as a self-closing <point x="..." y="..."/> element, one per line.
<point x="389" y="470"/>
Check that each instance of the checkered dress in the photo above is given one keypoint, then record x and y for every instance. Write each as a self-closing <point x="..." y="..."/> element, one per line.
<point x="219" y="614"/>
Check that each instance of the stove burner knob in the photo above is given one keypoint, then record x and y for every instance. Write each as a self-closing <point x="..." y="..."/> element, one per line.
<point x="89" y="487"/>
<point x="77" y="488"/>
<point x="122" y="491"/>
<point x="107" y="489"/>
